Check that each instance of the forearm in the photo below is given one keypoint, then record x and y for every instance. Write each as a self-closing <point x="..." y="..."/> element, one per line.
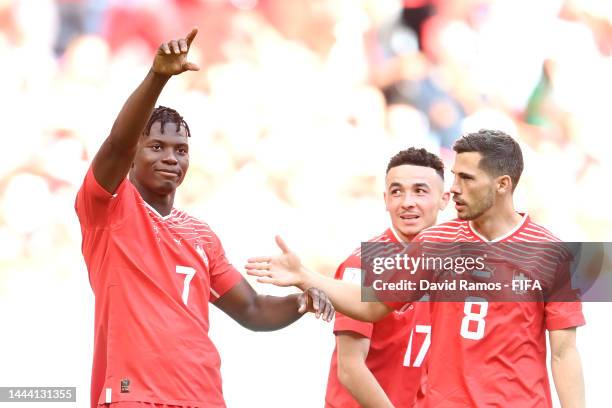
<point x="362" y="385"/>
<point x="133" y="117"/>
<point x="268" y="313"/>
<point x="568" y="378"/>
<point x="345" y="297"/>
<point x="113" y="160"/>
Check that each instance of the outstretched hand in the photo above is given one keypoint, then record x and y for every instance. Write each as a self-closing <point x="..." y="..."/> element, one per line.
<point x="282" y="270"/>
<point x="316" y="301"/>
<point x="171" y="57"/>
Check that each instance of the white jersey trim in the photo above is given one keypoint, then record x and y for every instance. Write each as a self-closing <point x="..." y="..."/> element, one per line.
<point x="163" y="217"/>
<point x="395" y="234"/>
<point x="501" y="238"/>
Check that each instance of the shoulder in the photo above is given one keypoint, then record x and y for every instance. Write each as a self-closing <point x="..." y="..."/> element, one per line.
<point x="536" y="233"/>
<point x="386" y="236"/>
<point x="447" y="231"/>
<point x="354" y="259"/>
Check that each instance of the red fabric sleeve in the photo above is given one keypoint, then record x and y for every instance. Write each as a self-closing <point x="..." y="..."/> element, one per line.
<point x="223" y="275"/>
<point x="563" y="310"/>
<point x="563" y="315"/>
<point x="345" y="323"/>
<point x="93" y="203"/>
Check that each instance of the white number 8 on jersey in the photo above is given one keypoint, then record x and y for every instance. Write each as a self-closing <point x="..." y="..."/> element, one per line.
<point x="470" y="316"/>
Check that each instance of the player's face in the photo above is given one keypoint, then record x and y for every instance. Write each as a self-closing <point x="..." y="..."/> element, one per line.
<point x="413" y="196"/>
<point x="162" y="160"/>
<point x="473" y="189"/>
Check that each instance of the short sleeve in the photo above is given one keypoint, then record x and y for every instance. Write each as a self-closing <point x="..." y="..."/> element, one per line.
<point x="93" y="203"/>
<point x="564" y="309"/>
<point x="344" y="323"/>
<point x="223" y="275"/>
<point x="563" y="315"/>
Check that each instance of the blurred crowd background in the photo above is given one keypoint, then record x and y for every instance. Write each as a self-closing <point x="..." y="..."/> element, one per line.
<point x="297" y="109"/>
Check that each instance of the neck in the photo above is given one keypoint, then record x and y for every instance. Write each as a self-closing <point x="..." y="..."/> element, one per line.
<point x="162" y="203"/>
<point x="497" y="221"/>
<point x="401" y="237"/>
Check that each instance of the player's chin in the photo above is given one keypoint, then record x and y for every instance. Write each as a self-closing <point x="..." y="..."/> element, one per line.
<point x="166" y="187"/>
<point x="465" y="215"/>
<point x="412" y="230"/>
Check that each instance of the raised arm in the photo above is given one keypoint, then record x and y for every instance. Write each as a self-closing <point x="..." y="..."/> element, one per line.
<point x="567" y="368"/>
<point x="287" y="270"/>
<point x="267" y="313"/>
<point x="112" y="162"/>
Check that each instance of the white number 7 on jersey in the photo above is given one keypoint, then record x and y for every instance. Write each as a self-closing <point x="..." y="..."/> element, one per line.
<point x="419" y="328"/>
<point x="188" y="271"/>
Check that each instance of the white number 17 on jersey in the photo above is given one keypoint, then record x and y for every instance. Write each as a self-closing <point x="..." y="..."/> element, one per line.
<point x="422" y="329"/>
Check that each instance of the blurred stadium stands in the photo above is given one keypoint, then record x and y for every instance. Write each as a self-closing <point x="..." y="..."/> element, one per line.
<point x="294" y="116"/>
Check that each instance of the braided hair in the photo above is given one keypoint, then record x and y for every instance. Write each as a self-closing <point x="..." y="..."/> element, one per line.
<point x="166" y="115"/>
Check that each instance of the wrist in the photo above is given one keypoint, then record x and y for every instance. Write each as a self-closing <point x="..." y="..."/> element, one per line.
<point x="306" y="279"/>
<point x="158" y="77"/>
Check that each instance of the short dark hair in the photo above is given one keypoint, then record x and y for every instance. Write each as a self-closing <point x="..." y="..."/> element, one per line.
<point x="501" y="154"/>
<point x="166" y="115"/>
<point x="417" y="157"/>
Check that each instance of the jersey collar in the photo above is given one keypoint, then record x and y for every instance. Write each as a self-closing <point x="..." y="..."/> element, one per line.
<point x="394" y="234"/>
<point x="154" y="211"/>
<point x="503" y="237"/>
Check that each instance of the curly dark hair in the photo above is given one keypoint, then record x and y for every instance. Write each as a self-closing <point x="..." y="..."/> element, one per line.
<point x="166" y="115"/>
<point x="501" y="154"/>
<point x="417" y="157"/>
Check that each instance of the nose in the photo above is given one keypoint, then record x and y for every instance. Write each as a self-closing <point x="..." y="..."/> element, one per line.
<point x="169" y="157"/>
<point x="455" y="189"/>
<point x="408" y="201"/>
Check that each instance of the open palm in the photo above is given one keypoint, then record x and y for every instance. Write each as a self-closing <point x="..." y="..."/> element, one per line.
<point x="282" y="270"/>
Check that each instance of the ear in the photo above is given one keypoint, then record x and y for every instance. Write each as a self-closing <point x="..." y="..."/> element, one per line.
<point x="444" y="200"/>
<point x="504" y="184"/>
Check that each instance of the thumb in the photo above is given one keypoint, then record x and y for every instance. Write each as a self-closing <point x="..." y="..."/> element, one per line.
<point x="190" y="66"/>
<point x="281" y="244"/>
<point x="303" y="304"/>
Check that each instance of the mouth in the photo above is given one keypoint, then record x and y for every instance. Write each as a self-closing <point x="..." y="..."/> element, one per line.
<point x="409" y="217"/>
<point x="168" y="173"/>
<point x="458" y="201"/>
<point x="459" y="205"/>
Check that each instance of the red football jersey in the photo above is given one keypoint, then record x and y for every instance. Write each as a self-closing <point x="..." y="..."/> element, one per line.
<point x="398" y="345"/>
<point x="492" y="354"/>
<point x="152" y="277"/>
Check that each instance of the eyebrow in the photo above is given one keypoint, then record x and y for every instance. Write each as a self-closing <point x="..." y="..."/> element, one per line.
<point x="181" y="144"/>
<point x="414" y="185"/>
<point x="463" y="174"/>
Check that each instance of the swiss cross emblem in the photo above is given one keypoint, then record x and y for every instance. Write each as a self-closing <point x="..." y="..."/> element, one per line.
<point x="519" y="277"/>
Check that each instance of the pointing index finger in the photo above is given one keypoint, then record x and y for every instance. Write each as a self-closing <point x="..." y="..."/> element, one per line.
<point x="189" y="38"/>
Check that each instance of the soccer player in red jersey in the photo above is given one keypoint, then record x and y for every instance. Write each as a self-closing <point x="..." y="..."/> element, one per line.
<point x="483" y="354"/>
<point x="379" y="364"/>
<point x="154" y="269"/>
